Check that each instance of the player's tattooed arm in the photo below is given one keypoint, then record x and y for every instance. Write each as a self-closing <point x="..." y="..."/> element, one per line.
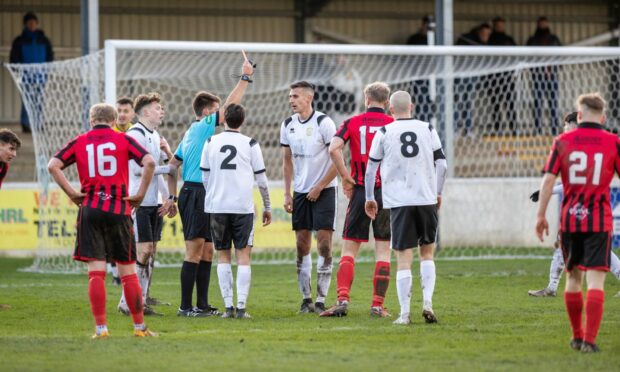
<point x="54" y="167"/>
<point x="263" y="188"/>
<point x="287" y="170"/>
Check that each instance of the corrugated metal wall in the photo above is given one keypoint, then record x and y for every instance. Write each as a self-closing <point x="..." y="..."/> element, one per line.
<point x="385" y="22"/>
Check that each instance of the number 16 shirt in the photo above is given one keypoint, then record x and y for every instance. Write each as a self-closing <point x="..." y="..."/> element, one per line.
<point x="586" y="159"/>
<point x="407" y="149"/>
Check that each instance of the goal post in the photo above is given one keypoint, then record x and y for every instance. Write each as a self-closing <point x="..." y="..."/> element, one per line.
<point x="496" y="110"/>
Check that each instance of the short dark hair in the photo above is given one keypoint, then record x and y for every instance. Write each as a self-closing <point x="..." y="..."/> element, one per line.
<point x="124" y="100"/>
<point x="29" y="16"/>
<point x="303" y="84"/>
<point x="203" y="100"/>
<point x="145" y="100"/>
<point x="483" y="26"/>
<point x="498" y="19"/>
<point x="7" y="136"/>
<point x="571" y="117"/>
<point x="234" y="115"/>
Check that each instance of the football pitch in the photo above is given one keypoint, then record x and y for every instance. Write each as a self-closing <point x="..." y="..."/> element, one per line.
<point x="486" y="322"/>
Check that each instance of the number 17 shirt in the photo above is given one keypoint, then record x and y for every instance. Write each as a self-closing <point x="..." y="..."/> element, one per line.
<point x="586" y="159"/>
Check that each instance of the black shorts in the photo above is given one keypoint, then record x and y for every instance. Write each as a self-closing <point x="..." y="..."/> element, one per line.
<point x="413" y="226"/>
<point x="104" y="236"/>
<point x="357" y="223"/>
<point x="228" y="228"/>
<point x="148" y="224"/>
<point x="318" y="215"/>
<point x="192" y="210"/>
<point x="587" y="251"/>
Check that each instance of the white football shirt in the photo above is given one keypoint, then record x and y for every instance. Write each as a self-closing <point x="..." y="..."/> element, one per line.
<point x="407" y="149"/>
<point x="309" y="142"/>
<point x="150" y="140"/>
<point x="232" y="160"/>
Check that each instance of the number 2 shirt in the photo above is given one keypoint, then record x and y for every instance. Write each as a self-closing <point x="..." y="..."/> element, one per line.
<point x="407" y="149"/>
<point x="586" y="159"/>
<point x="232" y="159"/>
<point x="102" y="158"/>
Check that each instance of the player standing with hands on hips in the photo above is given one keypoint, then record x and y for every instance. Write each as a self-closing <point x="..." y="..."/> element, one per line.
<point x="413" y="170"/>
<point x="586" y="158"/>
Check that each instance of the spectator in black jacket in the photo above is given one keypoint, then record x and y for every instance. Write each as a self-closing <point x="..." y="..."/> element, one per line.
<point x="32" y="46"/>
<point x="420" y="37"/>
<point x="501" y="86"/>
<point x="545" y="78"/>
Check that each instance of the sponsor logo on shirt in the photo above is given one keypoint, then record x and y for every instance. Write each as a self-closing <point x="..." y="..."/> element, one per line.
<point x="104" y="196"/>
<point x="579" y="211"/>
<point x="309" y="131"/>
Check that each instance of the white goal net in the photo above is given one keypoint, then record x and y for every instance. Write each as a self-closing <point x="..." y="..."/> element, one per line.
<point x="496" y="110"/>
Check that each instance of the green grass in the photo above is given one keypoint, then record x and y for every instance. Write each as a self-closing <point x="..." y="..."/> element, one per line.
<point x="487" y="322"/>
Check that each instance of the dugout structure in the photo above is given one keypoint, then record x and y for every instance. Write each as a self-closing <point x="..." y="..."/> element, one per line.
<point x="496" y="110"/>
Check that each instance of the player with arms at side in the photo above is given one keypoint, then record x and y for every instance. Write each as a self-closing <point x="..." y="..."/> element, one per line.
<point x="231" y="162"/>
<point x="586" y="159"/>
<point x="148" y="218"/>
<point x="413" y="170"/>
<point x="305" y="139"/>
<point x="198" y="243"/>
<point x="557" y="262"/>
<point x="359" y="132"/>
<point x="104" y="227"/>
<point x="9" y="144"/>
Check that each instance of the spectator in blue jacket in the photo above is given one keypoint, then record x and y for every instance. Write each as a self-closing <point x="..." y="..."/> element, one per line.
<point x="32" y="46"/>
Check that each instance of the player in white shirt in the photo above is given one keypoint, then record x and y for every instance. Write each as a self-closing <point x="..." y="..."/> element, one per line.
<point x="148" y="218"/>
<point x="413" y="169"/>
<point x="305" y="139"/>
<point x="230" y="164"/>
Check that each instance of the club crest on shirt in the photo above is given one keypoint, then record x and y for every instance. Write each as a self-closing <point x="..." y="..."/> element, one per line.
<point x="292" y="130"/>
<point x="309" y="131"/>
<point x="579" y="211"/>
<point x="104" y="196"/>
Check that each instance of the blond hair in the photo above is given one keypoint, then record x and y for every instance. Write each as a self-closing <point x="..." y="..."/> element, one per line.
<point x="592" y="103"/>
<point x="378" y="92"/>
<point x="103" y="113"/>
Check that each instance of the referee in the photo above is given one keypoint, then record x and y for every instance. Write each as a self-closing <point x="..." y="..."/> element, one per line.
<point x="198" y="244"/>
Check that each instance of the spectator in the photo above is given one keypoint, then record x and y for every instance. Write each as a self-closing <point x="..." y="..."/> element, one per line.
<point x="545" y="82"/>
<point x="501" y="86"/>
<point x="420" y="37"/>
<point x="32" y="46"/>
<point x="465" y="89"/>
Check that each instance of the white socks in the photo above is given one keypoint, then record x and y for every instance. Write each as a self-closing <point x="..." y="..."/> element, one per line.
<point x="304" y="275"/>
<point x="324" y="277"/>
<point x="555" y="270"/>
<point x="427" y="281"/>
<point x="403" y="288"/>
<point x="143" y="276"/>
<point x="244" y="276"/>
<point x="614" y="266"/>
<point x="225" y="278"/>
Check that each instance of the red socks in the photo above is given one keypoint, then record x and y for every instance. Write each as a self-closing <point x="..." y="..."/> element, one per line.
<point x="344" y="278"/>
<point x="133" y="296"/>
<point x="574" y="307"/>
<point x="595" y="299"/>
<point x="380" y="281"/>
<point x="96" y="293"/>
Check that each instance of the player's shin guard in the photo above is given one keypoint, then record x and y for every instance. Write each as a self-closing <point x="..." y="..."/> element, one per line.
<point x="324" y="277"/>
<point x="203" y="278"/>
<point x="304" y="275"/>
<point x="595" y="298"/>
<point x="96" y="294"/>
<point x="555" y="270"/>
<point x="225" y="278"/>
<point x="380" y="282"/>
<point x="244" y="278"/>
<point x="427" y="281"/>
<point x="614" y="266"/>
<point x="133" y="295"/>
<point x="142" y="271"/>
<point x="574" y="308"/>
<point x="188" y="277"/>
<point x="403" y="288"/>
<point x="344" y="277"/>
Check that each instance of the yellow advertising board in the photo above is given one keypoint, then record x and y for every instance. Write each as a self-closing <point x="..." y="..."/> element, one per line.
<point x="27" y="218"/>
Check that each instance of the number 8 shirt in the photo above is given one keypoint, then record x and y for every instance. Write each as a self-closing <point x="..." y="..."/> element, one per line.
<point x="407" y="150"/>
<point x="587" y="159"/>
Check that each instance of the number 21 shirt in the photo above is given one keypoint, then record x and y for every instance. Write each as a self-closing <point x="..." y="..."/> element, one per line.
<point x="586" y="159"/>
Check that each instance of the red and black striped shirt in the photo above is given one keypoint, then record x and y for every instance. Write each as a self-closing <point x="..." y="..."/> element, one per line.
<point x="360" y="130"/>
<point x="586" y="159"/>
<point x="4" y="169"/>
<point x="102" y="158"/>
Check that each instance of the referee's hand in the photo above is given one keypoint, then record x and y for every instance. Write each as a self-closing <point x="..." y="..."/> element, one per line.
<point x="247" y="68"/>
<point x="535" y="195"/>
